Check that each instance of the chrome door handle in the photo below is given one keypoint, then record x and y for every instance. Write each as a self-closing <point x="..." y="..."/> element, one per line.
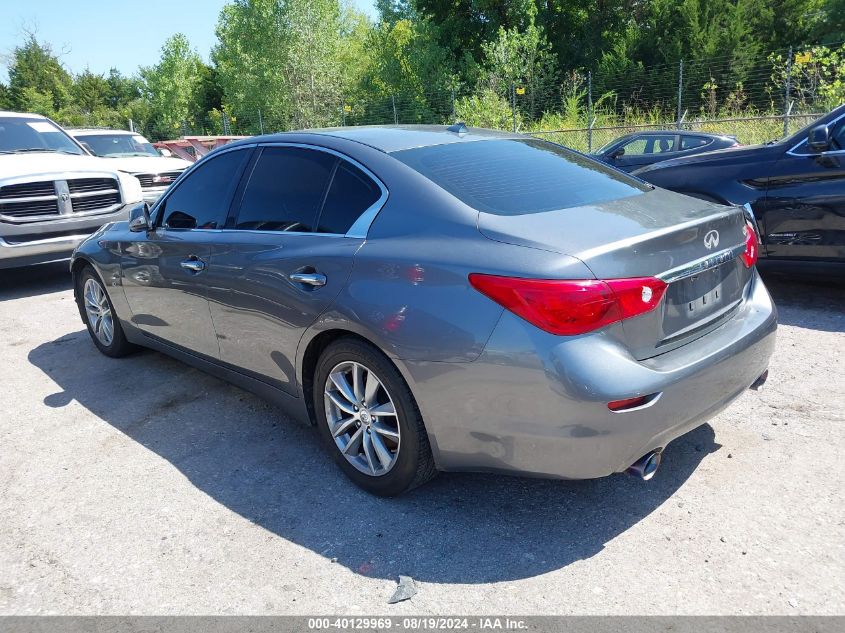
<point x="309" y="279"/>
<point x="195" y="265"/>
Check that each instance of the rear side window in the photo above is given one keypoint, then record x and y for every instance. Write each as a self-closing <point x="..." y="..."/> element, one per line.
<point x="515" y="177"/>
<point x="285" y="190"/>
<point x="691" y="142"/>
<point x="352" y="192"/>
<point x="201" y="201"/>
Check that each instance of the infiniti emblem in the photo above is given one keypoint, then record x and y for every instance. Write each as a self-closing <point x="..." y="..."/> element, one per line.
<point x="711" y="240"/>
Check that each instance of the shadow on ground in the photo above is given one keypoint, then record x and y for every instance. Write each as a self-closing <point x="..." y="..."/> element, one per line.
<point x="816" y="303"/>
<point x="242" y="452"/>
<point x="18" y="283"/>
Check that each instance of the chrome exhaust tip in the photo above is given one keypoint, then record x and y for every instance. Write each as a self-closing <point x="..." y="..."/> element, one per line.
<point x="645" y="466"/>
<point x="761" y="380"/>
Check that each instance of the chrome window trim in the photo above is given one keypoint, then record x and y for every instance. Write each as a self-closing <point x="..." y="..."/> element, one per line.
<point x="359" y="229"/>
<point x="695" y="267"/>
<point x="836" y="152"/>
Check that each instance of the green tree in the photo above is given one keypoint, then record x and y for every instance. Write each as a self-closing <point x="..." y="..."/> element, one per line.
<point x="285" y="57"/>
<point x="90" y="92"/>
<point x="37" y="80"/>
<point x="171" y="86"/>
<point x="5" y="99"/>
<point x="122" y="90"/>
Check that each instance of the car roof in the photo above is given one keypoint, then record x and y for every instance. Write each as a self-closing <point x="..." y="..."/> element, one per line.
<point x="394" y="138"/>
<point x="671" y="131"/>
<point x="23" y="115"/>
<point x="88" y="131"/>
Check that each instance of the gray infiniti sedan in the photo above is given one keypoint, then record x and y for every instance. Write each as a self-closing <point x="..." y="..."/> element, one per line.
<point x="437" y="298"/>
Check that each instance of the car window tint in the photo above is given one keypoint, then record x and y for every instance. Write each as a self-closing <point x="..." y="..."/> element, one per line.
<point x="201" y="201"/>
<point x="635" y="147"/>
<point x="651" y="144"/>
<point x="352" y="192"/>
<point x="837" y="138"/>
<point x="516" y="176"/>
<point x="691" y="142"/>
<point x="285" y="190"/>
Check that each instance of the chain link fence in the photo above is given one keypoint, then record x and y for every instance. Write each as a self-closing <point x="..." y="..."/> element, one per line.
<point x="754" y="97"/>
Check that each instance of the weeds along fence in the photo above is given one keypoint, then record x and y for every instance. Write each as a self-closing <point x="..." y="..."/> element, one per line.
<point x="754" y="96"/>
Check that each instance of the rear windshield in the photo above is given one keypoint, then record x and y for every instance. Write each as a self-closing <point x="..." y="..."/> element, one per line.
<point x="519" y="176"/>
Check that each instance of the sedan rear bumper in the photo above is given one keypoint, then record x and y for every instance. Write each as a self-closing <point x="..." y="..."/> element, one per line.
<point x="536" y="404"/>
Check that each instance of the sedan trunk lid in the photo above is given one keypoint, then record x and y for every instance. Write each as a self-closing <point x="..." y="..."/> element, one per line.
<point x="692" y="245"/>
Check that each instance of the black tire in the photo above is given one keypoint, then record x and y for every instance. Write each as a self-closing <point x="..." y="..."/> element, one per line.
<point x="118" y="346"/>
<point x="414" y="463"/>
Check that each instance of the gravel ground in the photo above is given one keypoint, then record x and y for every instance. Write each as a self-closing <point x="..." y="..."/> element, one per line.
<point x="143" y="486"/>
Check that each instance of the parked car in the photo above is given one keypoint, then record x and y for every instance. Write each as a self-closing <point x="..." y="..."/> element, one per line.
<point x="133" y="154"/>
<point x="442" y="299"/>
<point x="795" y="188"/>
<point x="636" y="150"/>
<point x="52" y="193"/>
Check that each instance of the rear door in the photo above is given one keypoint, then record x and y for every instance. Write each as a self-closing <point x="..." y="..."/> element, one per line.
<point x="645" y="150"/>
<point x="285" y="255"/>
<point x="165" y="269"/>
<point x="804" y="210"/>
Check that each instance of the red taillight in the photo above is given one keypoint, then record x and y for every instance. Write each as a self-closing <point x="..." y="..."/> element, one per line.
<point x="749" y="256"/>
<point x="568" y="307"/>
<point x="627" y="403"/>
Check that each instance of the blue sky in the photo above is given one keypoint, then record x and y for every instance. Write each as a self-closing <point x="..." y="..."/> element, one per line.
<point x="104" y="33"/>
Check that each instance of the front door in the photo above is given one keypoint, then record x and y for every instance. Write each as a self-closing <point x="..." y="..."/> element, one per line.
<point x="803" y="216"/>
<point x="165" y="269"/>
<point x="286" y="258"/>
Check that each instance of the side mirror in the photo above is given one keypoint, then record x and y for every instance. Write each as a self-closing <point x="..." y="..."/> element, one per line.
<point x="619" y="153"/>
<point x="165" y="152"/>
<point x="818" y="139"/>
<point x="139" y="218"/>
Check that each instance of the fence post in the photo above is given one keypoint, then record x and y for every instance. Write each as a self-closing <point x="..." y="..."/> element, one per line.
<point x="589" y="111"/>
<point x="787" y="89"/>
<point x="395" y="117"/>
<point x="680" y="92"/>
<point x="226" y="130"/>
<point x="513" y="105"/>
<point x="454" y="114"/>
<point x="260" y="121"/>
<point x="343" y="113"/>
<point x="131" y="125"/>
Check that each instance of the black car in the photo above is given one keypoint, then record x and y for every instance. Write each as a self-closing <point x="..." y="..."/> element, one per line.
<point x="795" y="188"/>
<point x="633" y="151"/>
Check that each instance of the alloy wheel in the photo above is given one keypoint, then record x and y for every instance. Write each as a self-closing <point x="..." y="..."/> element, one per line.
<point x="98" y="311"/>
<point x="362" y="418"/>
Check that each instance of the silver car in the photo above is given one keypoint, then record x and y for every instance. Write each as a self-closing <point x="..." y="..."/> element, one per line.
<point x="438" y="298"/>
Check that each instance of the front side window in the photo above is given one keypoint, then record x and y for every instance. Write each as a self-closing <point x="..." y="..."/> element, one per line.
<point x="652" y="144"/>
<point x="201" y="200"/>
<point x="285" y="190"/>
<point x="118" y="145"/>
<point x="519" y="176"/>
<point x="20" y="135"/>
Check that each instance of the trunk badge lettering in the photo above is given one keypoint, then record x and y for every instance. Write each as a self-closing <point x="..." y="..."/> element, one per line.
<point x="711" y="240"/>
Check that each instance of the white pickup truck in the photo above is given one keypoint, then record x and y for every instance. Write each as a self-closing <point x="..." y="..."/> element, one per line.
<point x="52" y="193"/>
<point x="132" y="153"/>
